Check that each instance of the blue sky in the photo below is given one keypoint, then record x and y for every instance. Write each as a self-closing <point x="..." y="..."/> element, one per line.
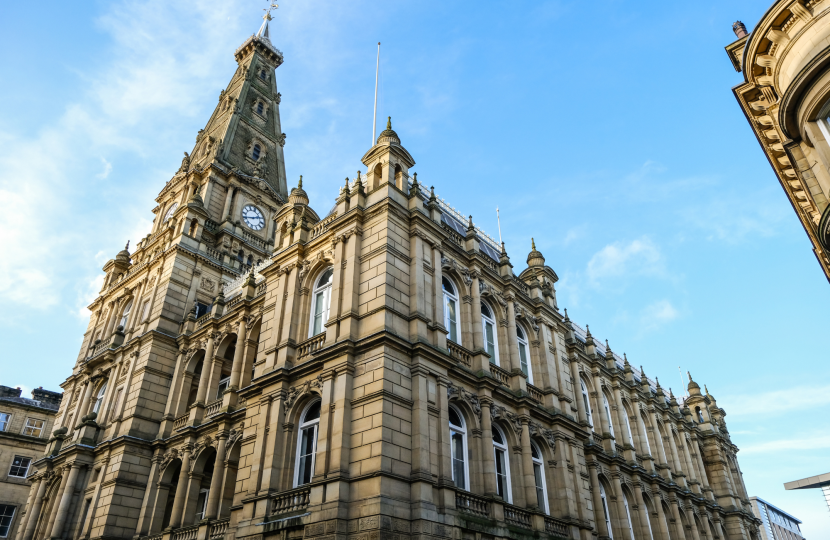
<point x="607" y="131"/>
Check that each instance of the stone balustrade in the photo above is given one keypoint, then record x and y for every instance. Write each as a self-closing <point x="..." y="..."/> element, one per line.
<point x="513" y="515"/>
<point x="307" y="347"/>
<point x="471" y="504"/>
<point x="291" y="501"/>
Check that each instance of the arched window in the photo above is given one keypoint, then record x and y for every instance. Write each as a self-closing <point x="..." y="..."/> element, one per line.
<point x="99" y="399"/>
<point x="699" y="415"/>
<point x="628" y="517"/>
<point x="645" y="435"/>
<point x="627" y="426"/>
<point x="587" y="403"/>
<point x="125" y="314"/>
<point x="648" y="516"/>
<point x="259" y="107"/>
<point x="451" y="321"/>
<point x="250" y="260"/>
<point x="307" y="444"/>
<point x="605" y="511"/>
<point x="262" y="74"/>
<point x="491" y="341"/>
<point x="458" y="443"/>
<point x="539" y="476"/>
<point x="502" y="465"/>
<point x="607" y="408"/>
<point x="524" y="357"/>
<point x="320" y="302"/>
<point x="255" y="152"/>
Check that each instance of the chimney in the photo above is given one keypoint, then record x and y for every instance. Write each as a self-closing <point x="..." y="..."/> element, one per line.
<point x="8" y="392"/>
<point x="48" y="399"/>
<point x="739" y="29"/>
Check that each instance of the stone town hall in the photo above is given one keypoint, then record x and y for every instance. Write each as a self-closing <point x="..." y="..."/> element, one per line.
<point x="256" y="369"/>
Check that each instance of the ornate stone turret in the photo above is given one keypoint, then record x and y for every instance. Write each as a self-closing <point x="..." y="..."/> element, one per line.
<point x="298" y="194"/>
<point x="388" y="162"/>
<point x="693" y="388"/>
<point x="535" y="258"/>
<point x="123" y="256"/>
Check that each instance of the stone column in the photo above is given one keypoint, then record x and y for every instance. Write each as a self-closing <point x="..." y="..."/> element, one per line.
<point x="83" y="405"/>
<point x="642" y="433"/>
<point x="642" y="510"/>
<point x="417" y="290"/>
<point x="444" y="443"/>
<point x="438" y="302"/>
<point x="110" y="321"/>
<point x="529" y="478"/>
<point x="21" y="526"/>
<point x="675" y="511"/>
<point x="622" y="519"/>
<point x="661" y="514"/>
<point x="34" y="510"/>
<point x="170" y="411"/>
<point x="207" y="366"/>
<point x="478" y="329"/>
<point x="106" y="403"/>
<point x="147" y="506"/>
<point x="67" y="491"/>
<point x="488" y="458"/>
<point x="226" y="212"/>
<point x="341" y="420"/>
<point x="152" y="300"/>
<point x="691" y="473"/>
<point x="135" y="312"/>
<point x="599" y="515"/>
<point x="238" y="354"/>
<point x="181" y="490"/>
<point x="267" y="466"/>
<point x="600" y="406"/>
<point x="658" y="440"/>
<point x="577" y="385"/>
<point x="350" y="305"/>
<point x="336" y="292"/>
<point x="690" y="517"/>
<point x="215" y="492"/>
<point x="566" y="493"/>
<point x="512" y="339"/>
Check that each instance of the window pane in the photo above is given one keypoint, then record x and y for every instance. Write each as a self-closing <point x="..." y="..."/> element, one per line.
<point x="4" y="421"/>
<point x="523" y="358"/>
<point x="454" y="418"/>
<point x="540" y="489"/>
<point x="6" y="515"/>
<point x="33" y="428"/>
<point x="20" y="466"/>
<point x="501" y="475"/>
<point x="489" y="341"/>
<point x="458" y="470"/>
<point x="318" y="312"/>
<point x="313" y="412"/>
<point x="451" y="322"/>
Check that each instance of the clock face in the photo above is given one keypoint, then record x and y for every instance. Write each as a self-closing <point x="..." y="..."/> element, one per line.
<point x="253" y="217"/>
<point x="171" y="211"/>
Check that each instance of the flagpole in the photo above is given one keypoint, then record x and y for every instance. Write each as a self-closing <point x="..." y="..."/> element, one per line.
<point x="498" y="219"/>
<point x="375" y="116"/>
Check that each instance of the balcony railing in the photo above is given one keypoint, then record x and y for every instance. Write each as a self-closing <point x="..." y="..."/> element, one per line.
<point x="554" y="526"/>
<point x="307" y="347"/>
<point x="460" y="354"/>
<point x="214" y="253"/>
<point x="181" y="421"/>
<point x="322" y="227"/>
<point x="186" y="533"/>
<point x="213" y="408"/>
<point x="218" y="528"/>
<point x="470" y="504"/>
<point x="517" y="517"/>
<point x="291" y="501"/>
<point x="535" y="393"/>
<point x="501" y="375"/>
<point x="255" y="240"/>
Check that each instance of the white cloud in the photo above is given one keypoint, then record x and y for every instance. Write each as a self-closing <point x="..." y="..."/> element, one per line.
<point x="786" y="400"/>
<point x="164" y="62"/>
<point x="657" y="314"/>
<point x="107" y="169"/>
<point x="821" y="442"/>
<point x="638" y="257"/>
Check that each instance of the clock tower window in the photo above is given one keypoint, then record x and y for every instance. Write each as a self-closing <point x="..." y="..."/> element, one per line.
<point x="257" y="150"/>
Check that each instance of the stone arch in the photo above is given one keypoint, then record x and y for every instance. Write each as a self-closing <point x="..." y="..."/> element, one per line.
<point x="299" y="396"/>
<point x="377" y="176"/>
<point x="166" y="491"/>
<point x="468" y="405"/>
<point x="194" y="364"/>
<point x="252" y="346"/>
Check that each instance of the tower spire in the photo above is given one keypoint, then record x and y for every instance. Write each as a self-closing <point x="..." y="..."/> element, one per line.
<point x="263" y="30"/>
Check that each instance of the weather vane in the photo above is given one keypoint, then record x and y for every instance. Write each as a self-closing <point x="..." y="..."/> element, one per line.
<point x="268" y="10"/>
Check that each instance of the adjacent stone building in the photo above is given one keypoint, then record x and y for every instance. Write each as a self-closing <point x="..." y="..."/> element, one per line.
<point x="378" y="371"/>
<point x="25" y="425"/>
<point x="785" y="96"/>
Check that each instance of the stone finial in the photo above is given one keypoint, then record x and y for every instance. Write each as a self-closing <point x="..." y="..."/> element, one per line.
<point x="532" y="243"/>
<point x="566" y="315"/>
<point x="300" y="183"/>
<point x="127" y="247"/>
<point x="693" y="388"/>
<point x="739" y="28"/>
<point x="432" y="194"/>
<point x="535" y="258"/>
<point x="414" y="179"/>
<point x="503" y="251"/>
<point x="588" y="331"/>
<point x="388" y="122"/>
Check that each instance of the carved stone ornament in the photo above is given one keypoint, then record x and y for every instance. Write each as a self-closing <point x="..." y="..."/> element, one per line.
<point x="235" y="435"/>
<point x="281" y="138"/>
<point x="497" y="411"/>
<point x="522" y="313"/>
<point x="307" y="387"/>
<point x="168" y="457"/>
<point x="207" y="284"/>
<point x="456" y="392"/>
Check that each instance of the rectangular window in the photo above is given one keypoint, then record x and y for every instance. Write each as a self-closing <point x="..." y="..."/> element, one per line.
<point x="540" y="487"/>
<point x="201" y="309"/>
<point x="33" y="427"/>
<point x="6" y="516"/>
<point x="20" y="467"/>
<point x="451" y="319"/>
<point x="501" y="476"/>
<point x="458" y="468"/>
<point x="490" y="342"/>
<point x="5" y="419"/>
<point x="201" y="504"/>
<point x="223" y="385"/>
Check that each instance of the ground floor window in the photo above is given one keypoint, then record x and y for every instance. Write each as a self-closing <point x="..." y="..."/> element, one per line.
<point x="6" y="516"/>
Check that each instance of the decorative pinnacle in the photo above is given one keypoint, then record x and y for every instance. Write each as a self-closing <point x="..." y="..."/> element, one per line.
<point x="566" y="314"/>
<point x="690" y="376"/>
<point x="626" y="359"/>
<point x="389" y="122"/>
<point x="503" y="251"/>
<point x="533" y="243"/>
<point x="642" y="371"/>
<point x="300" y="184"/>
<point x="414" y="179"/>
<point x="587" y="330"/>
<point x="127" y="247"/>
<point x="471" y="220"/>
